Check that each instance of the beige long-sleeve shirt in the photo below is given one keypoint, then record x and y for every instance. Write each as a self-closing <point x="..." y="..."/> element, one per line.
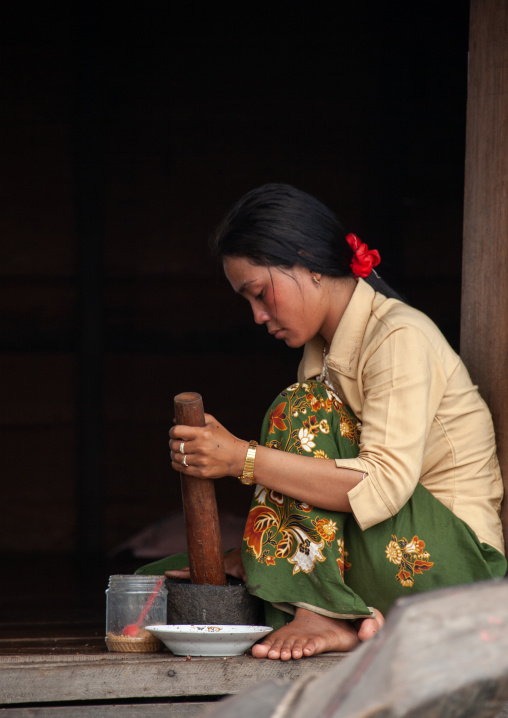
<point x="422" y="419"/>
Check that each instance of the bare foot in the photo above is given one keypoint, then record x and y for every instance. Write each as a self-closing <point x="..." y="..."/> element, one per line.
<point x="311" y="633"/>
<point x="368" y="627"/>
<point x="308" y="634"/>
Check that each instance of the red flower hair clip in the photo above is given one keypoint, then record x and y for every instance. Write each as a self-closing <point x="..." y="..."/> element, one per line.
<point x="364" y="259"/>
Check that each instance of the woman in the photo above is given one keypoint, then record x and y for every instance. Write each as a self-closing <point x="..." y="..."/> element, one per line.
<point x="407" y="492"/>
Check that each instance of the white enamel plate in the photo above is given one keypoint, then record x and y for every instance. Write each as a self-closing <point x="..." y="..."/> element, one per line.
<point x="208" y="639"/>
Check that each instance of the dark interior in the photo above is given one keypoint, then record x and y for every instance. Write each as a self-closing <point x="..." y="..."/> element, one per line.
<point x="127" y="132"/>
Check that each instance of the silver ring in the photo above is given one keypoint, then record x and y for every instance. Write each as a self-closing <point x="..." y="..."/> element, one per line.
<point x="184" y="460"/>
<point x="182" y="447"/>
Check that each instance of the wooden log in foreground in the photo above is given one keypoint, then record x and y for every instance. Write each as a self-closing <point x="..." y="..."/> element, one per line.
<point x="441" y="654"/>
<point x="202" y="527"/>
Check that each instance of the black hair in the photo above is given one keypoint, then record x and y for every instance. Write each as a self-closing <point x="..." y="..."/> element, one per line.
<point x="277" y="225"/>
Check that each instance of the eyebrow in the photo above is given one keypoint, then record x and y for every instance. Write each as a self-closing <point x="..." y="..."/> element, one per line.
<point x="243" y="286"/>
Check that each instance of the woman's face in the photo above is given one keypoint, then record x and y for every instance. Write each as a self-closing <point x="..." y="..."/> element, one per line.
<point x="288" y="301"/>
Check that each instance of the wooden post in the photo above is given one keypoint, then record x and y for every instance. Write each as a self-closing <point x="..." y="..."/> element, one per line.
<point x="484" y="320"/>
<point x="202" y="528"/>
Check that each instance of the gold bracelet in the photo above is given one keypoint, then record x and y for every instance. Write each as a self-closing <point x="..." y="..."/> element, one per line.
<point x="247" y="476"/>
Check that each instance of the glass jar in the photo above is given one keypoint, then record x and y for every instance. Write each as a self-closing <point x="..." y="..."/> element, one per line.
<point x="133" y="602"/>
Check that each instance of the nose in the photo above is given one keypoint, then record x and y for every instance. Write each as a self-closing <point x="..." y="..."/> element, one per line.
<point x="261" y="316"/>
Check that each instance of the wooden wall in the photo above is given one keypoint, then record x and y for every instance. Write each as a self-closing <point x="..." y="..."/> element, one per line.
<point x="484" y="339"/>
<point x="126" y="136"/>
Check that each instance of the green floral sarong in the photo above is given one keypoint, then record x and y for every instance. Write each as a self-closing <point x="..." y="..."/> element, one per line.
<point x="297" y="555"/>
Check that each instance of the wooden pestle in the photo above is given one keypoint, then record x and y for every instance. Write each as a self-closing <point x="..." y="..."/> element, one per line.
<point x="204" y="543"/>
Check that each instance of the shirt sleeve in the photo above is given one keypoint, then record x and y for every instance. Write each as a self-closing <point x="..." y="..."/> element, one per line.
<point x="403" y="383"/>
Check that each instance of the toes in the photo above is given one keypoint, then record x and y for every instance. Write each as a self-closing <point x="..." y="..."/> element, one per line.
<point x="310" y="648"/>
<point x="370" y="626"/>
<point x="276" y="650"/>
<point x="298" y="649"/>
<point x="259" y="650"/>
<point x="283" y="649"/>
<point x="292" y="648"/>
<point x="302" y="638"/>
<point x="295" y="647"/>
<point x="379" y="618"/>
<point x="285" y="655"/>
<point x="270" y="648"/>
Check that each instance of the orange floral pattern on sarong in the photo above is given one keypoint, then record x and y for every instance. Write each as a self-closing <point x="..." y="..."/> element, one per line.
<point x="281" y="528"/>
<point x="276" y="418"/>
<point x="410" y="557"/>
<point x="342" y="561"/>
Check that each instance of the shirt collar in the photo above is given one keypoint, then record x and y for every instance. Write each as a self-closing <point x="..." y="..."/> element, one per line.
<point x="344" y="351"/>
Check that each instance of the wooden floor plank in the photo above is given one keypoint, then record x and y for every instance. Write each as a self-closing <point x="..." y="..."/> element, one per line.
<point x="109" y="676"/>
<point x="152" y="710"/>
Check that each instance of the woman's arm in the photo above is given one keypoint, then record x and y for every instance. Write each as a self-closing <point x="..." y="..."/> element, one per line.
<point x="213" y="452"/>
<point x="403" y="381"/>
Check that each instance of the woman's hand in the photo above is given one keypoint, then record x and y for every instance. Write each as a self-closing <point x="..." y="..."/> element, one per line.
<point x="207" y="452"/>
<point x="233" y="566"/>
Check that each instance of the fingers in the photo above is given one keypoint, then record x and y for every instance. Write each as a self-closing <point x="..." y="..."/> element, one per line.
<point x="193" y="464"/>
<point x="205" y="452"/>
<point x="180" y="462"/>
<point x="180" y="433"/>
<point x="240" y="576"/>
<point x="186" y="445"/>
<point x="231" y="569"/>
<point x="211" y="422"/>
<point x="180" y="443"/>
<point x="178" y="573"/>
<point x="236" y="572"/>
<point x="186" y="439"/>
<point x="233" y="564"/>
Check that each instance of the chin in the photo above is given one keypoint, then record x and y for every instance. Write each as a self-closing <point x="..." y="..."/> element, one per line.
<point x="294" y="343"/>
